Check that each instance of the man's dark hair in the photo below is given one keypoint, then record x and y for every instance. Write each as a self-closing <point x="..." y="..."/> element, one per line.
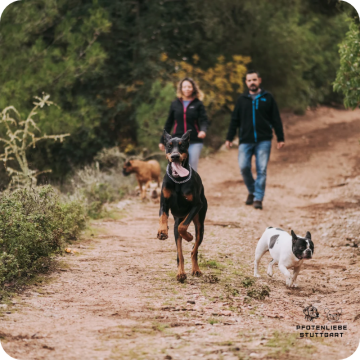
<point x="253" y="72"/>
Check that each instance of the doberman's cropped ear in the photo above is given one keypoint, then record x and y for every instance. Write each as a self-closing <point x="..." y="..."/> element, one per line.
<point x="308" y="235"/>
<point x="167" y="136"/>
<point x="186" y="136"/>
<point x="294" y="237"/>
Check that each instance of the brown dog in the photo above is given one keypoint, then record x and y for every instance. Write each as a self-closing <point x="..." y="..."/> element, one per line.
<point x="145" y="171"/>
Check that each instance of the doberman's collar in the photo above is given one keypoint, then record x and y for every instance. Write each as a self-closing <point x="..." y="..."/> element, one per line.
<point x="179" y="182"/>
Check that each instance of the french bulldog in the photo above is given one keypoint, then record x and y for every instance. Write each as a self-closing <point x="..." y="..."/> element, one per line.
<point x="288" y="251"/>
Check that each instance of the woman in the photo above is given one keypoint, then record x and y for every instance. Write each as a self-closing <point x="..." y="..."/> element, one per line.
<point x="188" y="112"/>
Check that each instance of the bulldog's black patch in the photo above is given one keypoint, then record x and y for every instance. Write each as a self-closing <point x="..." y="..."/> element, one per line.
<point x="273" y="240"/>
<point x="280" y="229"/>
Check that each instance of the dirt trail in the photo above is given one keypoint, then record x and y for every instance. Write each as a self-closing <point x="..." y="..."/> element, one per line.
<point x="118" y="299"/>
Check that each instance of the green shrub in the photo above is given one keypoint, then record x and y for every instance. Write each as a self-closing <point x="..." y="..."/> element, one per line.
<point x="34" y="224"/>
<point x="97" y="187"/>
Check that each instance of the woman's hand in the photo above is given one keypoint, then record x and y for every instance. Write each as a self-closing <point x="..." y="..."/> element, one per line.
<point x="162" y="147"/>
<point x="201" y="134"/>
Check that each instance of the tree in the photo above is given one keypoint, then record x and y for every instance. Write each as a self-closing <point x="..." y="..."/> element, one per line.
<point x="53" y="46"/>
<point x="348" y="76"/>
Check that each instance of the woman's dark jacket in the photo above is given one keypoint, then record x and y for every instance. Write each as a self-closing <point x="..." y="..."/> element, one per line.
<point x="256" y="119"/>
<point x="193" y="117"/>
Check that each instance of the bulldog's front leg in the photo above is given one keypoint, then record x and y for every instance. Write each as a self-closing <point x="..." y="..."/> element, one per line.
<point x="295" y="274"/>
<point x="288" y="276"/>
<point x="164" y="214"/>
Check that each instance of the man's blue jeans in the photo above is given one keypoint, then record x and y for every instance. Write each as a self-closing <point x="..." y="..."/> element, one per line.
<point x="261" y="150"/>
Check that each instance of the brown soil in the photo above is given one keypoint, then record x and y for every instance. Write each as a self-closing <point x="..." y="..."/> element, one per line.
<point x="119" y="299"/>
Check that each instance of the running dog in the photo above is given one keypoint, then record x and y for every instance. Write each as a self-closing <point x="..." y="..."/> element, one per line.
<point x="145" y="171"/>
<point x="183" y="193"/>
<point x="286" y="251"/>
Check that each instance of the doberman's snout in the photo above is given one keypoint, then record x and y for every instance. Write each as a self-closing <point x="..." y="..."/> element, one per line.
<point x="175" y="156"/>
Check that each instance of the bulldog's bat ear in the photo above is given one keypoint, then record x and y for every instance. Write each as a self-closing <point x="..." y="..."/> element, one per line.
<point x="308" y="235"/>
<point x="167" y="136"/>
<point x="186" y="136"/>
<point x="294" y="237"/>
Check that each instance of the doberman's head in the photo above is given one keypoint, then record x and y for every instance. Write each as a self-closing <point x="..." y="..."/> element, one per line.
<point x="177" y="148"/>
<point x="128" y="168"/>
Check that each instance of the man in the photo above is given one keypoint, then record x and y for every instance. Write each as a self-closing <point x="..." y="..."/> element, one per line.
<point x="256" y="114"/>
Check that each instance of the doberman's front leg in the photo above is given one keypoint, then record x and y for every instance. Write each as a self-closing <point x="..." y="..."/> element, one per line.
<point x="185" y="224"/>
<point x="199" y="229"/>
<point x="164" y="214"/>
<point x="181" y="276"/>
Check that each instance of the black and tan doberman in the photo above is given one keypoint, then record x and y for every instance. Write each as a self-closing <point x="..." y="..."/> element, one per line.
<point x="183" y="193"/>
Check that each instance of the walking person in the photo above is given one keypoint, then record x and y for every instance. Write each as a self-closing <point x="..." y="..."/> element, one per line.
<point x="256" y="115"/>
<point x="188" y="112"/>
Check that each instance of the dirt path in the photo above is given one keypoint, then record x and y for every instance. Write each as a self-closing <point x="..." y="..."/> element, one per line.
<point x="118" y="299"/>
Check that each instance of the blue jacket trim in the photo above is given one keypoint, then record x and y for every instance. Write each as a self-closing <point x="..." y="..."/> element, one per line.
<point x="254" y="118"/>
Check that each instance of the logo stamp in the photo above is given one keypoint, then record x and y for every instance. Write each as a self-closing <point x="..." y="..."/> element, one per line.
<point x="311" y="313"/>
<point x="333" y="316"/>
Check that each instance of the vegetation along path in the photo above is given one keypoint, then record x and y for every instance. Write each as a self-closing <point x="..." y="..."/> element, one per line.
<point x="118" y="298"/>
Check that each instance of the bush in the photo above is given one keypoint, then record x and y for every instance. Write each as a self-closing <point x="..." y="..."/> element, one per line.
<point x="34" y="224"/>
<point x="100" y="187"/>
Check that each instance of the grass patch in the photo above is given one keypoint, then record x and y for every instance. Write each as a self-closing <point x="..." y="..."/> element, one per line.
<point x="247" y="282"/>
<point x="160" y="327"/>
<point x="281" y="343"/>
<point x="209" y="263"/>
<point x="212" y="321"/>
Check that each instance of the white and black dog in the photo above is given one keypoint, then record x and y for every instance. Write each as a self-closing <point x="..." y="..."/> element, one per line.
<point x="288" y="251"/>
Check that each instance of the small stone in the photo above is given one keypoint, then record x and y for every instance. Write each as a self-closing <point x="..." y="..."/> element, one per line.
<point x="254" y="355"/>
<point x="191" y="302"/>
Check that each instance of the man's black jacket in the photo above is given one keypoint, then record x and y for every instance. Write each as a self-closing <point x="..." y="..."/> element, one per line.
<point x="256" y="119"/>
<point x="193" y="118"/>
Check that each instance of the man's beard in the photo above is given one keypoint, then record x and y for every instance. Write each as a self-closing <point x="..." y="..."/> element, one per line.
<point x="254" y="88"/>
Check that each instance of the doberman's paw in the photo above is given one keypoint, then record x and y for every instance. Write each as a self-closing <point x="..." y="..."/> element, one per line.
<point x="197" y="273"/>
<point x="181" y="277"/>
<point x="162" y="234"/>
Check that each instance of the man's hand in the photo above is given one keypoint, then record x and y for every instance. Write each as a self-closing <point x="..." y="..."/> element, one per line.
<point x="280" y="145"/>
<point x="201" y="134"/>
<point x="162" y="147"/>
<point x="228" y="144"/>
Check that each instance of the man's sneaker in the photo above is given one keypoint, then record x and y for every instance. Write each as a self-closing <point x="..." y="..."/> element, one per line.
<point x="258" y="204"/>
<point x="250" y="199"/>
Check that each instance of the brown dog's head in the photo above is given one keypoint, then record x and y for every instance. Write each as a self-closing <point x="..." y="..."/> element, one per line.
<point x="177" y="148"/>
<point x="128" y="168"/>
